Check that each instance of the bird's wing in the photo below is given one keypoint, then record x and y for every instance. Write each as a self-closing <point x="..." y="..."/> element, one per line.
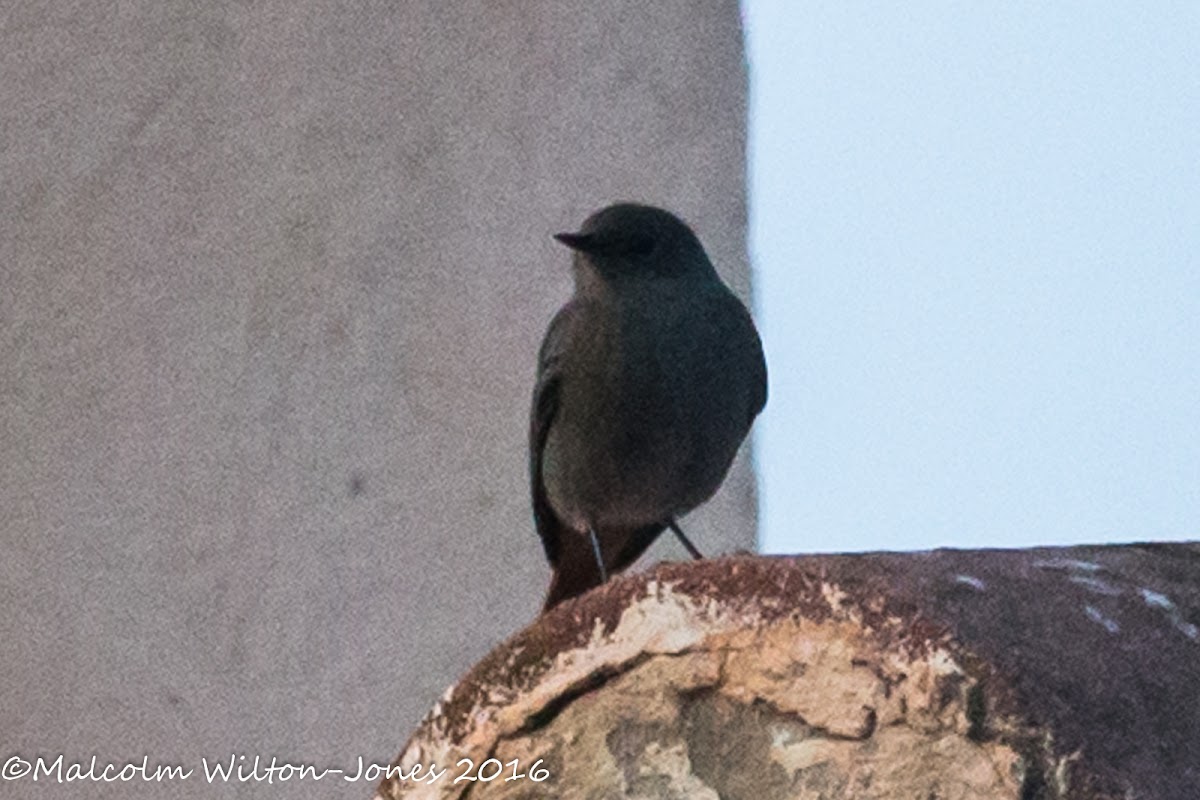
<point x="546" y="392"/>
<point x="739" y="326"/>
<point x="575" y="568"/>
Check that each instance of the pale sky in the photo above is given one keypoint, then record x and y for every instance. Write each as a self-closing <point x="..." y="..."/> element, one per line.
<point x="975" y="230"/>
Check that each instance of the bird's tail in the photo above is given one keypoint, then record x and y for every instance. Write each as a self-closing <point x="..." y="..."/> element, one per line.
<point x="576" y="571"/>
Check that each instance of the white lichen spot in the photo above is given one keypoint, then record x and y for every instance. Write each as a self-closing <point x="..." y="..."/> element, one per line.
<point x="1161" y="601"/>
<point x="972" y="581"/>
<point x="1060" y="777"/>
<point x="1095" y="585"/>
<point x="1095" y="616"/>
<point x="941" y="662"/>
<point x="781" y="736"/>
<point x="1153" y="598"/>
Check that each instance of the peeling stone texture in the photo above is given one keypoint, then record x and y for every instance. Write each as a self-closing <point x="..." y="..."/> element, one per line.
<point x="1031" y="675"/>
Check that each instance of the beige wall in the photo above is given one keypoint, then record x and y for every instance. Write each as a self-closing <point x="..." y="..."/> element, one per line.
<point x="273" y="279"/>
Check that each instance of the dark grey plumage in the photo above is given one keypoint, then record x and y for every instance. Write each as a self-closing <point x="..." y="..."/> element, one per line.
<point x="648" y="381"/>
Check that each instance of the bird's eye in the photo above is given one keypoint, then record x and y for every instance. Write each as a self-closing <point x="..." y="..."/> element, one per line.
<point x="641" y="245"/>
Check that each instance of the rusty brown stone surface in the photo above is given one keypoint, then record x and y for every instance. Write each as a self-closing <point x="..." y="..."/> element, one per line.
<point x="1042" y="673"/>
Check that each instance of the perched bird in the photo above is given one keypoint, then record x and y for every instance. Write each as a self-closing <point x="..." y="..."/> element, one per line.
<point x="647" y="382"/>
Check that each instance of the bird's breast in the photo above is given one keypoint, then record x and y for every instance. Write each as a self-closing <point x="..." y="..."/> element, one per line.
<point x="652" y="411"/>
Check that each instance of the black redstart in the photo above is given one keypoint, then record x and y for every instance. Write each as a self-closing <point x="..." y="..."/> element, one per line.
<point x="647" y="382"/>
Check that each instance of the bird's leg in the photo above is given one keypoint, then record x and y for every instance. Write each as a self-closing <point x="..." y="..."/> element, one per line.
<point x="691" y="548"/>
<point x="596" y="552"/>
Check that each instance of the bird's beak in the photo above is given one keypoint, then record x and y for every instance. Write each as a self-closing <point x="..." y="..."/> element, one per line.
<point x="583" y="242"/>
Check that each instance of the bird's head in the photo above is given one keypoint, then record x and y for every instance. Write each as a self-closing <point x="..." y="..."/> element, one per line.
<point x="630" y="240"/>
